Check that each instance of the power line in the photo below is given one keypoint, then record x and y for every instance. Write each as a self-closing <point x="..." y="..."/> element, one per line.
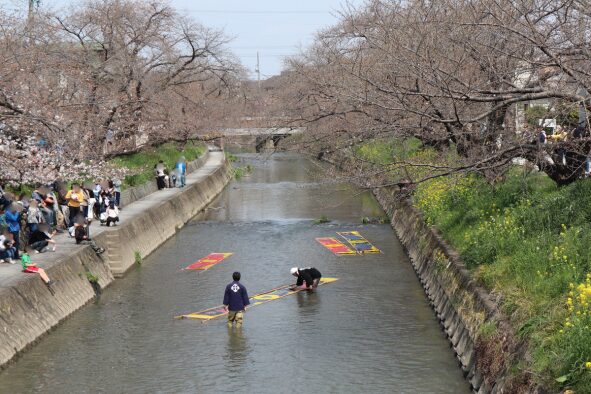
<point x="268" y="12"/>
<point x="266" y="47"/>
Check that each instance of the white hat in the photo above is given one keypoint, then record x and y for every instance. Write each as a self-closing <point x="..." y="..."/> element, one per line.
<point x="294" y="270"/>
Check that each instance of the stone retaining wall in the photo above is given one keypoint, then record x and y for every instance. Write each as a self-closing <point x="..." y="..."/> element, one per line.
<point x="28" y="310"/>
<point x="478" y="332"/>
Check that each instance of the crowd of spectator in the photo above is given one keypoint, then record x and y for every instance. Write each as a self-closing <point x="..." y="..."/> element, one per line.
<point x="33" y="220"/>
<point x="30" y="221"/>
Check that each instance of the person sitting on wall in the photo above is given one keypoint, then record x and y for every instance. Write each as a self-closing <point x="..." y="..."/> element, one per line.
<point x="31" y="268"/>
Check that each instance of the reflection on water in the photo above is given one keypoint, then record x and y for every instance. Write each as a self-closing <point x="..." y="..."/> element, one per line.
<point x="237" y="352"/>
<point x="370" y="332"/>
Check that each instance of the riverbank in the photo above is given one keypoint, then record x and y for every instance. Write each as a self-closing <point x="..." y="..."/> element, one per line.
<point x="479" y="333"/>
<point x="526" y="240"/>
<point x="28" y="310"/>
<point x="523" y="239"/>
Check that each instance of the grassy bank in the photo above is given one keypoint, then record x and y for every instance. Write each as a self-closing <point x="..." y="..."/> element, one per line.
<point x="528" y="242"/>
<point x="141" y="164"/>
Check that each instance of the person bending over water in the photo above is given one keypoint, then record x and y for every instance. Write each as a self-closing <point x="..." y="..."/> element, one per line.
<point x="311" y="276"/>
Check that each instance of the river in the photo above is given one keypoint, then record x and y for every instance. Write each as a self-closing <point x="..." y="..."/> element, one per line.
<point x="370" y="332"/>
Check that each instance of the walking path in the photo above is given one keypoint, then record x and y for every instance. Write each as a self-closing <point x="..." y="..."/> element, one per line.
<point x="10" y="275"/>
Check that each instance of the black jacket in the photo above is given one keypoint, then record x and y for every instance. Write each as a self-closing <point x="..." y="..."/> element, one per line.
<point x="307" y="275"/>
<point x="38" y="236"/>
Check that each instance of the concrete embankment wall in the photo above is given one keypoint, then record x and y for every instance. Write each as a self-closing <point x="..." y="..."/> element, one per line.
<point x="478" y="332"/>
<point x="28" y="310"/>
<point x="142" y="234"/>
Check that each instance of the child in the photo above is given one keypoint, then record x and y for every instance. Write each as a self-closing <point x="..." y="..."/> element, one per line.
<point x="34" y="216"/>
<point x="82" y="238"/>
<point x="31" y="268"/>
<point x="7" y="249"/>
<point x="112" y="214"/>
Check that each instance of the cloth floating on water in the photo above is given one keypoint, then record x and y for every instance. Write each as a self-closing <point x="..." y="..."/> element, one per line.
<point x="358" y="242"/>
<point x="335" y="246"/>
<point x="261" y="298"/>
<point x="209" y="261"/>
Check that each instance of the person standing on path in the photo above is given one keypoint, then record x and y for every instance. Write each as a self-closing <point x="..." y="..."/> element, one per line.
<point x="117" y="187"/>
<point x="309" y="275"/>
<point x="75" y="197"/>
<point x="13" y="222"/>
<point x="235" y="301"/>
<point x="160" y="175"/>
<point x="181" y="167"/>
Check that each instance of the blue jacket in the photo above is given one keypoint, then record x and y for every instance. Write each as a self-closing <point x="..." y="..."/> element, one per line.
<point x="236" y="297"/>
<point x="182" y="167"/>
<point x="13" y="221"/>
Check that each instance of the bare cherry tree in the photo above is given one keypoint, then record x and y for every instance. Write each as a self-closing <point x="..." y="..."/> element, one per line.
<point x="455" y="75"/>
<point x="106" y="77"/>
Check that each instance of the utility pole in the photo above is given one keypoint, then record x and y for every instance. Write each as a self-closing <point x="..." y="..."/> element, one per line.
<point x="258" y="71"/>
<point x="31" y="7"/>
<point x="33" y="4"/>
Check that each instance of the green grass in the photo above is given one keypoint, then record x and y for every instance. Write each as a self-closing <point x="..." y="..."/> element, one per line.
<point x="322" y="219"/>
<point x="21" y="189"/>
<point x="138" y="257"/>
<point x="386" y="151"/>
<point x="528" y="240"/>
<point x="91" y="277"/>
<point x="142" y="163"/>
<point x="240" y="172"/>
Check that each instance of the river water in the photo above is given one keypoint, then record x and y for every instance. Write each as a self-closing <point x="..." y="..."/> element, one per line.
<point x="370" y="332"/>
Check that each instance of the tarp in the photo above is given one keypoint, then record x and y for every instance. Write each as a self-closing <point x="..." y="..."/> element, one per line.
<point x="358" y="242"/>
<point x="209" y="261"/>
<point x="258" y="299"/>
<point x="335" y="246"/>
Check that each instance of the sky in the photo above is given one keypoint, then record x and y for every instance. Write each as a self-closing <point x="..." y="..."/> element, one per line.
<point x="274" y="28"/>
